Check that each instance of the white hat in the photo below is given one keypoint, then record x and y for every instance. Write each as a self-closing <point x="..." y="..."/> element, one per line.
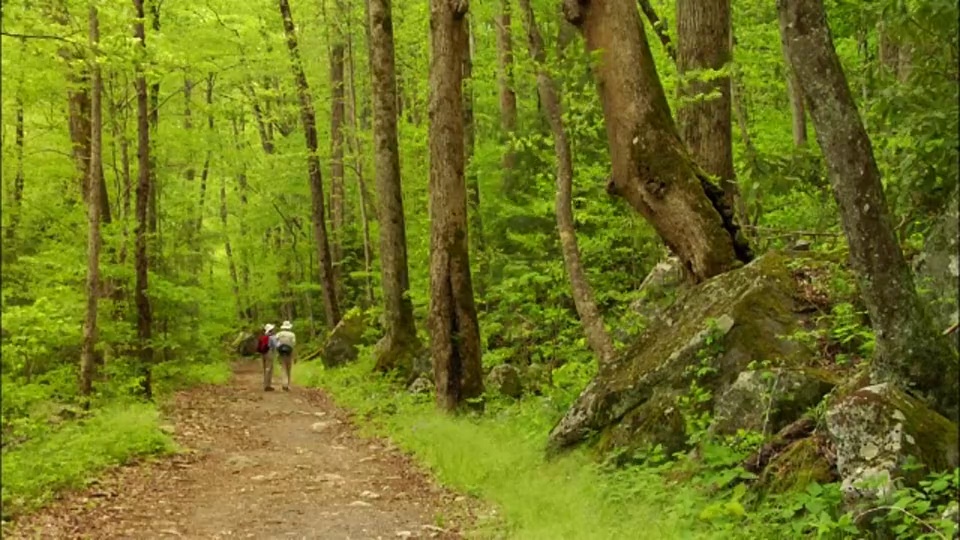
<point x="267" y="328"/>
<point x="286" y="325"/>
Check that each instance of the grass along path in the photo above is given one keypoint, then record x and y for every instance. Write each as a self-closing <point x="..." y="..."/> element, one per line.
<point x="258" y="465"/>
<point x="499" y="458"/>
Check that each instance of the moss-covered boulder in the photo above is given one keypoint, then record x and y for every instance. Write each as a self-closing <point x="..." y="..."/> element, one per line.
<point x="878" y="430"/>
<point x="798" y="465"/>
<point x="742" y="316"/>
<point x="505" y="380"/>
<point x="535" y="378"/>
<point x="657" y="422"/>
<point x="245" y="343"/>
<point x="767" y="400"/>
<point x="342" y="345"/>
<point x="657" y="291"/>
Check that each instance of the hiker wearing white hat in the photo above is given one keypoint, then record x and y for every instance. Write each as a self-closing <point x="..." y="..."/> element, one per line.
<point x="265" y="346"/>
<point x="286" y="340"/>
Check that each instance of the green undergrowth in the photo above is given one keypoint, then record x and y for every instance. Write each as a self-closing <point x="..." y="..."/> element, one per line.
<point x="499" y="458"/>
<point x="53" y="445"/>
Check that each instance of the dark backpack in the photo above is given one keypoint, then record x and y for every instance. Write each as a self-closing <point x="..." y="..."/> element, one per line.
<point x="263" y="344"/>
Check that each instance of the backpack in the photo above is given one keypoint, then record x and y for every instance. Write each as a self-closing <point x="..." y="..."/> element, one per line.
<point x="263" y="344"/>
<point x="285" y="349"/>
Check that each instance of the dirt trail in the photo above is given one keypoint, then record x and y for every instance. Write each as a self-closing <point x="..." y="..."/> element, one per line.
<point x="262" y="465"/>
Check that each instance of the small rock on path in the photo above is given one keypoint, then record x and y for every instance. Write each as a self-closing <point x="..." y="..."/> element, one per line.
<point x="259" y="466"/>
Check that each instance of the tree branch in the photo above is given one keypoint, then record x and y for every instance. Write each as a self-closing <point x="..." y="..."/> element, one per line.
<point x="38" y="36"/>
<point x="659" y="27"/>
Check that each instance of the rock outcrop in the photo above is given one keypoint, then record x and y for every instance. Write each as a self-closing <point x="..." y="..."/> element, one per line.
<point x="743" y="316"/>
<point x="767" y="400"/>
<point x="878" y="430"/>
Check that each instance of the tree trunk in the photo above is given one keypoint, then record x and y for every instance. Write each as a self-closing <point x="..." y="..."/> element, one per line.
<point x="400" y="341"/>
<point x="660" y="27"/>
<point x="88" y="349"/>
<point x="361" y="183"/>
<point x="231" y="264"/>
<point x="336" y="152"/>
<point x="11" y="232"/>
<point x="798" y="114"/>
<point x="309" y="120"/>
<point x="206" y="161"/>
<point x="469" y="142"/>
<point x="508" y="98"/>
<point x="704" y="44"/>
<point x="153" y="217"/>
<point x="909" y="350"/>
<point x="144" y="313"/>
<point x="190" y="173"/>
<point x="454" y="331"/>
<point x="583" y="298"/>
<point x="651" y="167"/>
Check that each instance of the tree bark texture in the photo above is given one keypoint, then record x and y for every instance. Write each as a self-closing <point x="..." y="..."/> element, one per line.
<point x="454" y="331"/>
<point x="583" y="298"/>
<point x="204" y="173"/>
<point x="909" y="351"/>
<point x="309" y="120"/>
<point x="704" y="44"/>
<point x="400" y="339"/>
<point x="141" y="263"/>
<point x="475" y="218"/>
<point x="651" y="166"/>
<point x="88" y="348"/>
<point x="18" y="181"/>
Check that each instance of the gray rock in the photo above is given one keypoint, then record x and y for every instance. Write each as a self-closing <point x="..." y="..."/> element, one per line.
<point x="752" y="310"/>
<point x="879" y="429"/>
<point x="801" y="245"/>
<point x="421" y="385"/>
<point x="238" y="462"/>
<point x="768" y="400"/>
<point x="535" y="378"/>
<point x="505" y="379"/>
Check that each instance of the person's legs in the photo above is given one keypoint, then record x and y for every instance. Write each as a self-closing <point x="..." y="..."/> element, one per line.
<point x="267" y="371"/>
<point x="286" y="361"/>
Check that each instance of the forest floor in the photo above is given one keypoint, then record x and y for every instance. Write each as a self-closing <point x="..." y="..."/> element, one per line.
<point x="258" y="464"/>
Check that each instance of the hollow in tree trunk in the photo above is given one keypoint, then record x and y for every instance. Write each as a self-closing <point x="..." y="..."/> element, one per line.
<point x="454" y="331"/>
<point x="909" y="350"/>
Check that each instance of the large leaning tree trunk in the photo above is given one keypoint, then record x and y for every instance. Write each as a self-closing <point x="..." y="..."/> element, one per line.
<point x="454" y="330"/>
<point x="400" y="341"/>
<point x="309" y="119"/>
<point x="651" y="166"/>
<point x="141" y="263"/>
<point x="909" y="351"/>
<point x="88" y="349"/>
<point x="704" y="46"/>
<point x="583" y="298"/>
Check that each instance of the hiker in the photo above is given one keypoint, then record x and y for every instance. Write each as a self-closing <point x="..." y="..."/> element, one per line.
<point x="286" y="340"/>
<point x="265" y="346"/>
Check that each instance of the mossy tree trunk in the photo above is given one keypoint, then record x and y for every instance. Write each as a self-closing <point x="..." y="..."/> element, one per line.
<point x="454" y="331"/>
<point x="88" y="349"/>
<point x="909" y="350"/>
<point x="400" y="341"/>
<point x="652" y="169"/>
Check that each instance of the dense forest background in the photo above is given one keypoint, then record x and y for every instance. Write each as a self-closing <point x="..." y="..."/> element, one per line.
<point x="168" y="140"/>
